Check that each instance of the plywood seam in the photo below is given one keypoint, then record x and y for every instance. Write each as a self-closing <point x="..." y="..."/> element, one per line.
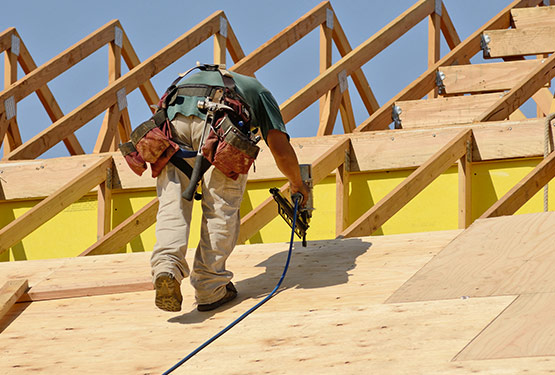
<point x="387" y="301"/>
<point x="454" y="359"/>
<point x="45" y="278"/>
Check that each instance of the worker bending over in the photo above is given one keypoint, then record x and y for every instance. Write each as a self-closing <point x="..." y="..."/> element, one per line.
<point x="221" y="195"/>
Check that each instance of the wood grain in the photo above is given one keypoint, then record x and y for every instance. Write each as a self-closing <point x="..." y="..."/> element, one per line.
<point x="525" y="329"/>
<point x="501" y="256"/>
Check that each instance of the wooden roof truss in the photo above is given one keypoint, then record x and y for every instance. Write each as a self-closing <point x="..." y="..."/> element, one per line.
<point x="461" y="95"/>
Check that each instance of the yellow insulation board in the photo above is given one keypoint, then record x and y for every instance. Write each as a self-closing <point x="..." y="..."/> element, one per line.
<point x="435" y="208"/>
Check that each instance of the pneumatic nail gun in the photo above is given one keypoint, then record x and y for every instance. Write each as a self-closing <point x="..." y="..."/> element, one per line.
<point x="286" y="208"/>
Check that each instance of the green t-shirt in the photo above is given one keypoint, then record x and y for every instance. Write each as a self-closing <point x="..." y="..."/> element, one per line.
<point x="265" y="112"/>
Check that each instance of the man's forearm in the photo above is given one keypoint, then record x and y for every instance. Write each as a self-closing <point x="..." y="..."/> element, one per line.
<point x="288" y="164"/>
<point x="285" y="157"/>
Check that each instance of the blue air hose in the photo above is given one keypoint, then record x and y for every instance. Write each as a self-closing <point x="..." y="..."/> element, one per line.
<point x="234" y="323"/>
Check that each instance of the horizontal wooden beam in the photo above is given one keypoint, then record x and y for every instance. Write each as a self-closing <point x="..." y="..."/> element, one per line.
<point x="519" y="94"/>
<point x="533" y="17"/>
<point x="10" y="292"/>
<point x="478" y="78"/>
<point x="122" y="234"/>
<point x="388" y="206"/>
<point x="107" y="97"/>
<point x="93" y="290"/>
<point x="521" y="42"/>
<point x="427" y="81"/>
<point x="433" y="112"/>
<point x="371" y="152"/>
<point x="355" y="59"/>
<point x="49" y="207"/>
<point x="524" y="190"/>
<point x="267" y="210"/>
<point x="285" y="39"/>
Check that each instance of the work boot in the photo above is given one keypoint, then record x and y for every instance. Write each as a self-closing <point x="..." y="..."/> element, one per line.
<point x="230" y="294"/>
<point x="168" y="292"/>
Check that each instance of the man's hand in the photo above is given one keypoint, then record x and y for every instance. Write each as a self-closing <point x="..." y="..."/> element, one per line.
<point x="302" y="189"/>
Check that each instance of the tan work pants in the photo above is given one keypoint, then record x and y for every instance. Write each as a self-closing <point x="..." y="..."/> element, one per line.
<point x="221" y="200"/>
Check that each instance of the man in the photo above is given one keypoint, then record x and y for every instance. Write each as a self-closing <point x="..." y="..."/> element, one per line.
<point x="221" y="199"/>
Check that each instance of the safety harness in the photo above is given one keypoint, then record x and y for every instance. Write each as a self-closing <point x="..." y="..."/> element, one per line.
<point x="227" y="140"/>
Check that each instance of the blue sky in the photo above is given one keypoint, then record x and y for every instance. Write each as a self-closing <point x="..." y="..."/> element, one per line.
<point x="49" y="27"/>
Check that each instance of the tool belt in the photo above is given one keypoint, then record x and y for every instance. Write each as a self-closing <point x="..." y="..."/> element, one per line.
<point x="229" y="149"/>
<point x="229" y="146"/>
<point x="150" y="143"/>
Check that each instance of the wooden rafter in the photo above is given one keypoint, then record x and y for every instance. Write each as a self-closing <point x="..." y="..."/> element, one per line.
<point x="49" y="207"/>
<point x="48" y="101"/>
<point x="519" y="94"/>
<point x="126" y="231"/>
<point x="355" y="59"/>
<point x="449" y="32"/>
<point x="285" y="39"/>
<point x="360" y="81"/>
<point x="382" y="211"/>
<point x="107" y="97"/>
<point x="296" y="31"/>
<point x="59" y="64"/>
<point x="233" y="47"/>
<point x="36" y="78"/>
<point x="132" y="60"/>
<point x="426" y="82"/>
<point x="325" y="63"/>
<point x="327" y="82"/>
<point x="524" y="190"/>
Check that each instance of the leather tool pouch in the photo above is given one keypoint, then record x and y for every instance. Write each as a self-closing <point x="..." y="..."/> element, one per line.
<point x="150" y="144"/>
<point x="229" y="149"/>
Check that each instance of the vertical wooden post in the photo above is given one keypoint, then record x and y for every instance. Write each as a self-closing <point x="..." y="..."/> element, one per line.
<point x="347" y="115"/>
<point x="220" y="40"/>
<point x="465" y="187"/>
<point x="434" y="30"/>
<point x="116" y="126"/>
<point x="539" y="111"/>
<point x="342" y="196"/>
<point x="108" y="137"/>
<point x="325" y="58"/>
<point x="12" y="138"/>
<point x="105" y="205"/>
<point x="329" y="115"/>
